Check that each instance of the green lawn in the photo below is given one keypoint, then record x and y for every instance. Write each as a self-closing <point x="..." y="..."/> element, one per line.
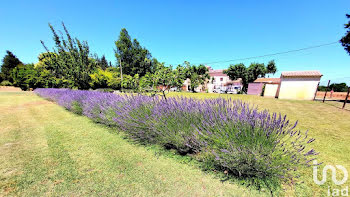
<point x="46" y="150"/>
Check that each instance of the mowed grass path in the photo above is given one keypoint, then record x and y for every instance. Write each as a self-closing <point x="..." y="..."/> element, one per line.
<point x="48" y="151"/>
<point x="326" y="122"/>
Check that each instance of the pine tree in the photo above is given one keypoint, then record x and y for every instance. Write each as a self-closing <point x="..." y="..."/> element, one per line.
<point x="103" y="63"/>
<point x="9" y="62"/>
<point x="134" y="58"/>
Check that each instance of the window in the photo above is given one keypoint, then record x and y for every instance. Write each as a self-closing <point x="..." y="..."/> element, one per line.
<point x="221" y="79"/>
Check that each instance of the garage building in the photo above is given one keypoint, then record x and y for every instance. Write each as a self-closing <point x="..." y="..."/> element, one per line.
<point x="300" y="85"/>
<point x="271" y="86"/>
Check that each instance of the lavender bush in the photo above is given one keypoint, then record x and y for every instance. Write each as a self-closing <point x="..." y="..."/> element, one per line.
<point x="229" y="134"/>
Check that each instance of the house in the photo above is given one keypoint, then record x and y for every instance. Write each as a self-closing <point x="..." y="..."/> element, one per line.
<point x="186" y="86"/>
<point x="220" y="82"/>
<point x="299" y="84"/>
<point x="271" y="86"/>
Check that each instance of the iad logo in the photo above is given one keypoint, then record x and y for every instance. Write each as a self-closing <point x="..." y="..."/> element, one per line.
<point x="332" y="192"/>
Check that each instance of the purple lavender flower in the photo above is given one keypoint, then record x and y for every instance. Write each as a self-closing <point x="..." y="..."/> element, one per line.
<point x="242" y="139"/>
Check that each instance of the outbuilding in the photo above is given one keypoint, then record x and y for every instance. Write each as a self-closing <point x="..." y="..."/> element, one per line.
<point x="271" y="86"/>
<point x="300" y="85"/>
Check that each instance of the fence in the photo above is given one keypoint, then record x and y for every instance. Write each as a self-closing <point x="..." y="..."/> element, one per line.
<point x="332" y="95"/>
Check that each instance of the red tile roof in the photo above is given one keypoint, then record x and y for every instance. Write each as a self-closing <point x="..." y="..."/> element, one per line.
<point x="268" y="80"/>
<point x="213" y="73"/>
<point x="311" y="73"/>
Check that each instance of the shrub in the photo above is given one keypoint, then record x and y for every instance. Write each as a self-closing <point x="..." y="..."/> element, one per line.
<point x="105" y="90"/>
<point x="257" y="144"/>
<point x="77" y="108"/>
<point x="5" y="83"/>
<point x="230" y="135"/>
<point x="100" y="107"/>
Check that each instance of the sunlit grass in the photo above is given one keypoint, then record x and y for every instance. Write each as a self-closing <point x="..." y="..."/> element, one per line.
<point x="47" y="151"/>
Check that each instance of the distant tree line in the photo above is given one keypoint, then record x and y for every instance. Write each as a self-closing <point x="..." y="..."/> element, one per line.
<point x="336" y="87"/>
<point x="70" y="64"/>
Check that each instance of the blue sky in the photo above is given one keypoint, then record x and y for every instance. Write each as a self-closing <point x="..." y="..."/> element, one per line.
<point x="196" y="31"/>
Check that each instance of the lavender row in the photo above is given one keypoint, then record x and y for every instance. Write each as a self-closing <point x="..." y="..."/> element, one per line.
<point x="225" y="134"/>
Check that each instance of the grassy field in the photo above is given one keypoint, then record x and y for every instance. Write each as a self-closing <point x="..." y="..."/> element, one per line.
<point x="46" y="150"/>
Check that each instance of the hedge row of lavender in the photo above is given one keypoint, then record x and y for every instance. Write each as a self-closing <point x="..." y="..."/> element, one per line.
<point x="228" y="134"/>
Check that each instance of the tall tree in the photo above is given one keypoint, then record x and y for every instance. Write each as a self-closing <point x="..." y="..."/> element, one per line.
<point x="9" y="62"/>
<point x="102" y="62"/>
<point x="134" y="58"/>
<point x="251" y="73"/>
<point x="256" y="70"/>
<point x="70" y="59"/>
<point x="345" y="40"/>
<point x="238" y="71"/>
<point x="271" y="67"/>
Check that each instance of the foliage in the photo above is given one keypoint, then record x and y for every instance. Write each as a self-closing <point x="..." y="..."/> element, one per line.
<point x="256" y="70"/>
<point x="9" y="62"/>
<point x="104" y="79"/>
<point x="70" y="65"/>
<point x="28" y="76"/>
<point x="345" y="40"/>
<point x="198" y="75"/>
<point x="102" y="63"/>
<point x="251" y="73"/>
<point x="5" y="83"/>
<point x="271" y="67"/>
<point x="163" y="79"/>
<point x="70" y="59"/>
<point x="229" y="134"/>
<point x="336" y="87"/>
<point x="110" y="78"/>
<point x="46" y="58"/>
<point x="131" y="82"/>
<point x="134" y="58"/>
<point x="238" y="71"/>
<point x="24" y="76"/>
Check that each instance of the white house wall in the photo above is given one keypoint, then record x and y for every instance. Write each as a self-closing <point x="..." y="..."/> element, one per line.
<point x="298" y="88"/>
<point x="217" y="83"/>
<point x="271" y="90"/>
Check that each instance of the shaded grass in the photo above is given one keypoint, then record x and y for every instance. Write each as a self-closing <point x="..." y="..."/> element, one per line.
<point x="46" y="150"/>
<point x="330" y="126"/>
